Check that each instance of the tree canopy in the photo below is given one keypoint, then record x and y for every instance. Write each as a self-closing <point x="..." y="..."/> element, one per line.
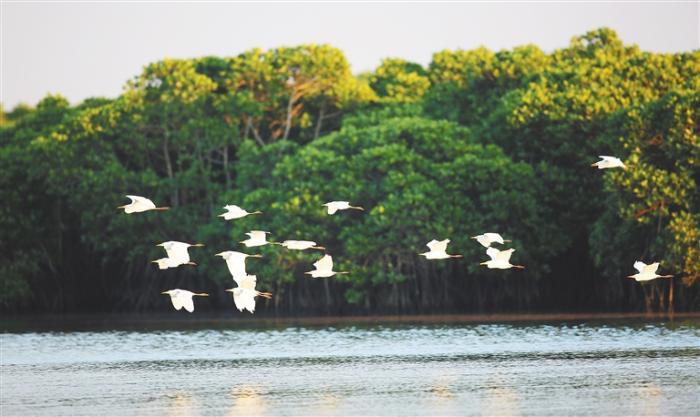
<point x="477" y="141"/>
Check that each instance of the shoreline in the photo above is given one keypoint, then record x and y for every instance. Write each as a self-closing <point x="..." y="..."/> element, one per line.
<point x="128" y="321"/>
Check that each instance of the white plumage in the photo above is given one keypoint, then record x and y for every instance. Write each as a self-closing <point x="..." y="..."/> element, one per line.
<point x="235" y="261"/>
<point x="647" y="272"/>
<point x="487" y="239"/>
<point x="500" y="259"/>
<point x="256" y="238"/>
<point x="244" y="295"/>
<point x="235" y="212"/>
<point x="608" y="162"/>
<point x="183" y="298"/>
<point x="301" y="245"/>
<point x="324" y="268"/>
<point x="177" y="252"/>
<point x="140" y="204"/>
<point x="334" y="206"/>
<point x="438" y="250"/>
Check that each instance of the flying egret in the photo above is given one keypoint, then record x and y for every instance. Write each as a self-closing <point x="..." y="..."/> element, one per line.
<point x="608" y="162"/>
<point x="488" y="238"/>
<point x="324" y="268"/>
<point x="334" y="206"/>
<point x="438" y="250"/>
<point x="183" y="298"/>
<point x="139" y="204"/>
<point x="235" y="212"/>
<point x="244" y="295"/>
<point x="177" y="252"/>
<point x="236" y="263"/>
<point x="500" y="259"/>
<point x="256" y="238"/>
<point x="647" y="272"/>
<point x="165" y="263"/>
<point x="300" y="245"/>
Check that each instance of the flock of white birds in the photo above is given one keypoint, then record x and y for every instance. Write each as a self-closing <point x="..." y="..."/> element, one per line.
<point x="245" y="293"/>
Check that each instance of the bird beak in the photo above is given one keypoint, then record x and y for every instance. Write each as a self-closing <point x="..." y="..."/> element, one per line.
<point x="229" y="290"/>
<point x="219" y="254"/>
<point x="164" y="292"/>
<point x="473" y="237"/>
<point x="160" y="244"/>
<point x="483" y="263"/>
<point x="309" y="272"/>
<point x="221" y="215"/>
<point x="154" y="262"/>
<point x="198" y="244"/>
<point x="255" y="256"/>
<point x="121" y="207"/>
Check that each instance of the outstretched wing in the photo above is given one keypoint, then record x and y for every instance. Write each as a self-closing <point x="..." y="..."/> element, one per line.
<point x="639" y="266"/>
<point x="438" y="245"/>
<point x="650" y="269"/>
<point x="494" y="237"/>
<point x="248" y="282"/>
<point x="324" y="264"/>
<point x="244" y="299"/>
<point x="493" y="253"/>
<point x="504" y="255"/>
<point x="178" y="300"/>
<point x="178" y="252"/>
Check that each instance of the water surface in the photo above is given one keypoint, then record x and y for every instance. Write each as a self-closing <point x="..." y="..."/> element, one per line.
<point x="554" y="369"/>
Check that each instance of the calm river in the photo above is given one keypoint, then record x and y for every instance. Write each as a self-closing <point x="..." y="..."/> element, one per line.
<point x="595" y="368"/>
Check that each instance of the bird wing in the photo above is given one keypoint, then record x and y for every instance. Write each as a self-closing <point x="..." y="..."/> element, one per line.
<point x="244" y="299"/>
<point x="504" y="255"/>
<point x="177" y="300"/>
<point x="257" y="235"/>
<point x="492" y="253"/>
<point x="236" y="266"/>
<point x="324" y="264"/>
<point x="650" y="269"/>
<point x="438" y="245"/>
<point x="494" y="237"/>
<point x="639" y="266"/>
<point x="606" y="158"/>
<point x="178" y="252"/>
<point x="248" y="282"/>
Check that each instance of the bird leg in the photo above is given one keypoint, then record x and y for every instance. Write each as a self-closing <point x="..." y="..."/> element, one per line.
<point x="267" y="295"/>
<point x="161" y="208"/>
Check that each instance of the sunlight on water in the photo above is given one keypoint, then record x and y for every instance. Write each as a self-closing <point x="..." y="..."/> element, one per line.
<point x="482" y="369"/>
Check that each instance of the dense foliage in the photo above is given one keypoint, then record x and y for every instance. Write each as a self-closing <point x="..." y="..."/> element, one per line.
<point x="477" y="141"/>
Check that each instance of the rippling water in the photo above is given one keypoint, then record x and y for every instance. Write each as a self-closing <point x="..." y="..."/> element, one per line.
<point x="534" y="369"/>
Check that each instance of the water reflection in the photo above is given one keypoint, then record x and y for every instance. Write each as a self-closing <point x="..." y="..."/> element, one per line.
<point x="648" y="402"/>
<point x="500" y="401"/>
<point x="247" y="401"/>
<point x="179" y="404"/>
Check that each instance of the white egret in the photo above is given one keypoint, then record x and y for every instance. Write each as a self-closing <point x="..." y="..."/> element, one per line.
<point x="647" y="272"/>
<point x="438" y="250"/>
<point x="165" y="263"/>
<point x="236" y="263"/>
<point x="324" y="268"/>
<point x="334" y="206"/>
<point x="300" y="245"/>
<point x="256" y="238"/>
<point x="139" y="204"/>
<point x="183" y="298"/>
<point x="500" y="259"/>
<point x="608" y="162"/>
<point x="177" y="252"/>
<point x="244" y="295"/>
<point x="487" y="239"/>
<point x="235" y="212"/>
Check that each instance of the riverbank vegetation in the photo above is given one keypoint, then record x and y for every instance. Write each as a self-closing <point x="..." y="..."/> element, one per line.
<point x="476" y="141"/>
